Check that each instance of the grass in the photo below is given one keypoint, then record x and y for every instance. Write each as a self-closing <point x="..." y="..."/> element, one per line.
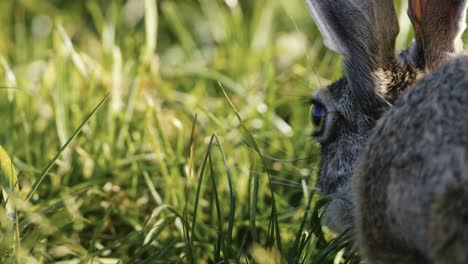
<point x="147" y="131"/>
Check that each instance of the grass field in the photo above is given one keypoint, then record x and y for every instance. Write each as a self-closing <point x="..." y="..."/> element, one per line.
<point x="166" y="131"/>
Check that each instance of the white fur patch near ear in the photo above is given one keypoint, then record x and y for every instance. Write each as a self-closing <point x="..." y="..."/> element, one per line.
<point x="329" y="36"/>
<point x="460" y="20"/>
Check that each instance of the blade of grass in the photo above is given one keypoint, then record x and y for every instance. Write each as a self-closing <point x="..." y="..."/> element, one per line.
<point x="185" y="226"/>
<point x="211" y="74"/>
<point x="232" y="197"/>
<point x="99" y="227"/>
<point x="117" y="81"/>
<point x="46" y="170"/>
<point x="242" y="248"/>
<point x="199" y="186"/>
<point x="295" y="253"/>
<point x="336" y="245"/>
<point x="169" y="10"/>
<point x="8" y="177"/>
<point x="9" y="181"/>
<point x="10" y="77"/>
<point x="152" y="188"/>
<point x="191" y="144"/>
<point x="128" y="114"/>
<point x="253" y="213"/>
<point x="219" y="241"/>
<point x="151" y="28"/>
<point x="316" y="227"/>
<point x="273" y="219"/>
<point x="160" y="228"/>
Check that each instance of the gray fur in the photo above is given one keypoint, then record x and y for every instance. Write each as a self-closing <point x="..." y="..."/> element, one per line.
<point x="397" y="214"/>
<point x="411" y="182"/>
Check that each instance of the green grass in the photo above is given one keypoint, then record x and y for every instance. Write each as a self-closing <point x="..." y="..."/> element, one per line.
<point x="201" y="153"/>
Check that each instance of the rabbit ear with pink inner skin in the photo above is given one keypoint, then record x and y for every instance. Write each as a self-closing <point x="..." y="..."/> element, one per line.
<point x="438" y="26"/>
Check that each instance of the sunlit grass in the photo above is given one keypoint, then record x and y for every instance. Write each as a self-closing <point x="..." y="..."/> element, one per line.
<point x="201" y="154"/>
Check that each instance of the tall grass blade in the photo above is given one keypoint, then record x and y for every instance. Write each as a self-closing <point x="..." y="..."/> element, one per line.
<point x="274" y="224"/>
<point x="151" y="28"/>
<point x="9" y="179"/>
<point x="10" y="77"/>
<point x="253" y="213"/>
<point x="130" y="108"/>
<point x="117" y="76"/>
<point x="186" y="226"/>
<point x="295" y="252"/>
<point x="199" y="186"/>
<point x="46" y="170"/>
<point x="232" y="197"/>
<point x="99" y="227"/>
<point x="219" y="241"/>
<point x="160" y="226"/>
<point x="169" y="10"/>
<point x="9" y="183"/>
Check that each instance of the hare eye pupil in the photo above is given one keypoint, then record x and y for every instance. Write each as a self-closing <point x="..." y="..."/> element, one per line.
<point x="318" y="116"/>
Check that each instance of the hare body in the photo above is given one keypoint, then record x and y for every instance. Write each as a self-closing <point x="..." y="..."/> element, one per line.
<point x="411" y="183"/>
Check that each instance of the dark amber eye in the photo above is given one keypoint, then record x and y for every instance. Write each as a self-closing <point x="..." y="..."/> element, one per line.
<point x="319" y="113"/>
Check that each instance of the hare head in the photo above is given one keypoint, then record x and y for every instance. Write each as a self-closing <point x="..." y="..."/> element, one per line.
<point x="344" y="113"/>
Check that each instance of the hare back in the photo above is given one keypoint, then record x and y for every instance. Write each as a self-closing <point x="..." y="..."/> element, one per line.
<point x="410" y="187"/>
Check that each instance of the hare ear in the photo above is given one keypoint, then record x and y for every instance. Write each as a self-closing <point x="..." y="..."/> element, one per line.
<point x="330" y="37"/>
<point x="364" y="32"/>
<point x="438" y="27"/>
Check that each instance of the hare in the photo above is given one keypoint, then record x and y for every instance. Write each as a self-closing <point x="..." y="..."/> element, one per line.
<point x="400" y="154"/>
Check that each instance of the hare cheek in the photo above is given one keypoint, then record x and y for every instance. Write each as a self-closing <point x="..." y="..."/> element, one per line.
<point x="335" y="181"/>
<point x="338" y="216"/>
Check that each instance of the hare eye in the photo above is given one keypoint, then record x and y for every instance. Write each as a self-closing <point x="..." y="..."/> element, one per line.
<point x="319" y="114"/>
